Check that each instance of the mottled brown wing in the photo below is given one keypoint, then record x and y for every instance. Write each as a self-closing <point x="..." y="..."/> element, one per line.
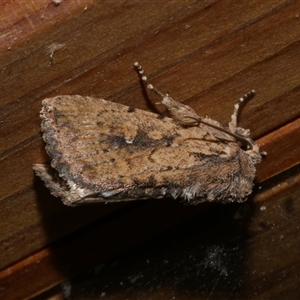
<point x="104" y="151"/>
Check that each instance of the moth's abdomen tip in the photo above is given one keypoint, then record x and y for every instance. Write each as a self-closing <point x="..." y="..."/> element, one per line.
<point x="263" y="153"/>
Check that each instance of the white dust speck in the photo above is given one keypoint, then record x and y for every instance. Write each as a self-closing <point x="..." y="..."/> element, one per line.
<point x="66" y="287"/>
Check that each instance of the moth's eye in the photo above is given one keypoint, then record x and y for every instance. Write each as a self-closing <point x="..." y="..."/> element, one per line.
<point x="244" y="145"/>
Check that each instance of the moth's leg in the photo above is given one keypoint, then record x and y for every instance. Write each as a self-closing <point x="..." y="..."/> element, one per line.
<point x="182" y="114"/>
<point x="233" y="123"/>
<point x="147" y="83"/>
<point x="244" y="133"/>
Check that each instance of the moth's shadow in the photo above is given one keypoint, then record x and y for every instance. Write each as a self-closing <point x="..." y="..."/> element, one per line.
<point x="64" y="226"/>
<point x="205" y="256"/>
<point x="151" y="99"/>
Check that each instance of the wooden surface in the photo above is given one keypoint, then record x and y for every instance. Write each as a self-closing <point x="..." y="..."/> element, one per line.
<point x="204" y="53"/>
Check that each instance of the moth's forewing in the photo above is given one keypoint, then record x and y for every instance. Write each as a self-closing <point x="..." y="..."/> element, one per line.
<point x="104" y="151"/>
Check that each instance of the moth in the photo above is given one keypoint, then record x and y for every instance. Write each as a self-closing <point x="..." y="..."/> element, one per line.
<point x="102" y="151"/>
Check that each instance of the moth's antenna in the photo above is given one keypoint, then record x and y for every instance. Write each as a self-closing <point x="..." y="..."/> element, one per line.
<point x="186" y="116"/>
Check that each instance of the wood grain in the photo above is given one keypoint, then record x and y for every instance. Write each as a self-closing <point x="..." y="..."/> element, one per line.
<point x="204" y="53"/>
